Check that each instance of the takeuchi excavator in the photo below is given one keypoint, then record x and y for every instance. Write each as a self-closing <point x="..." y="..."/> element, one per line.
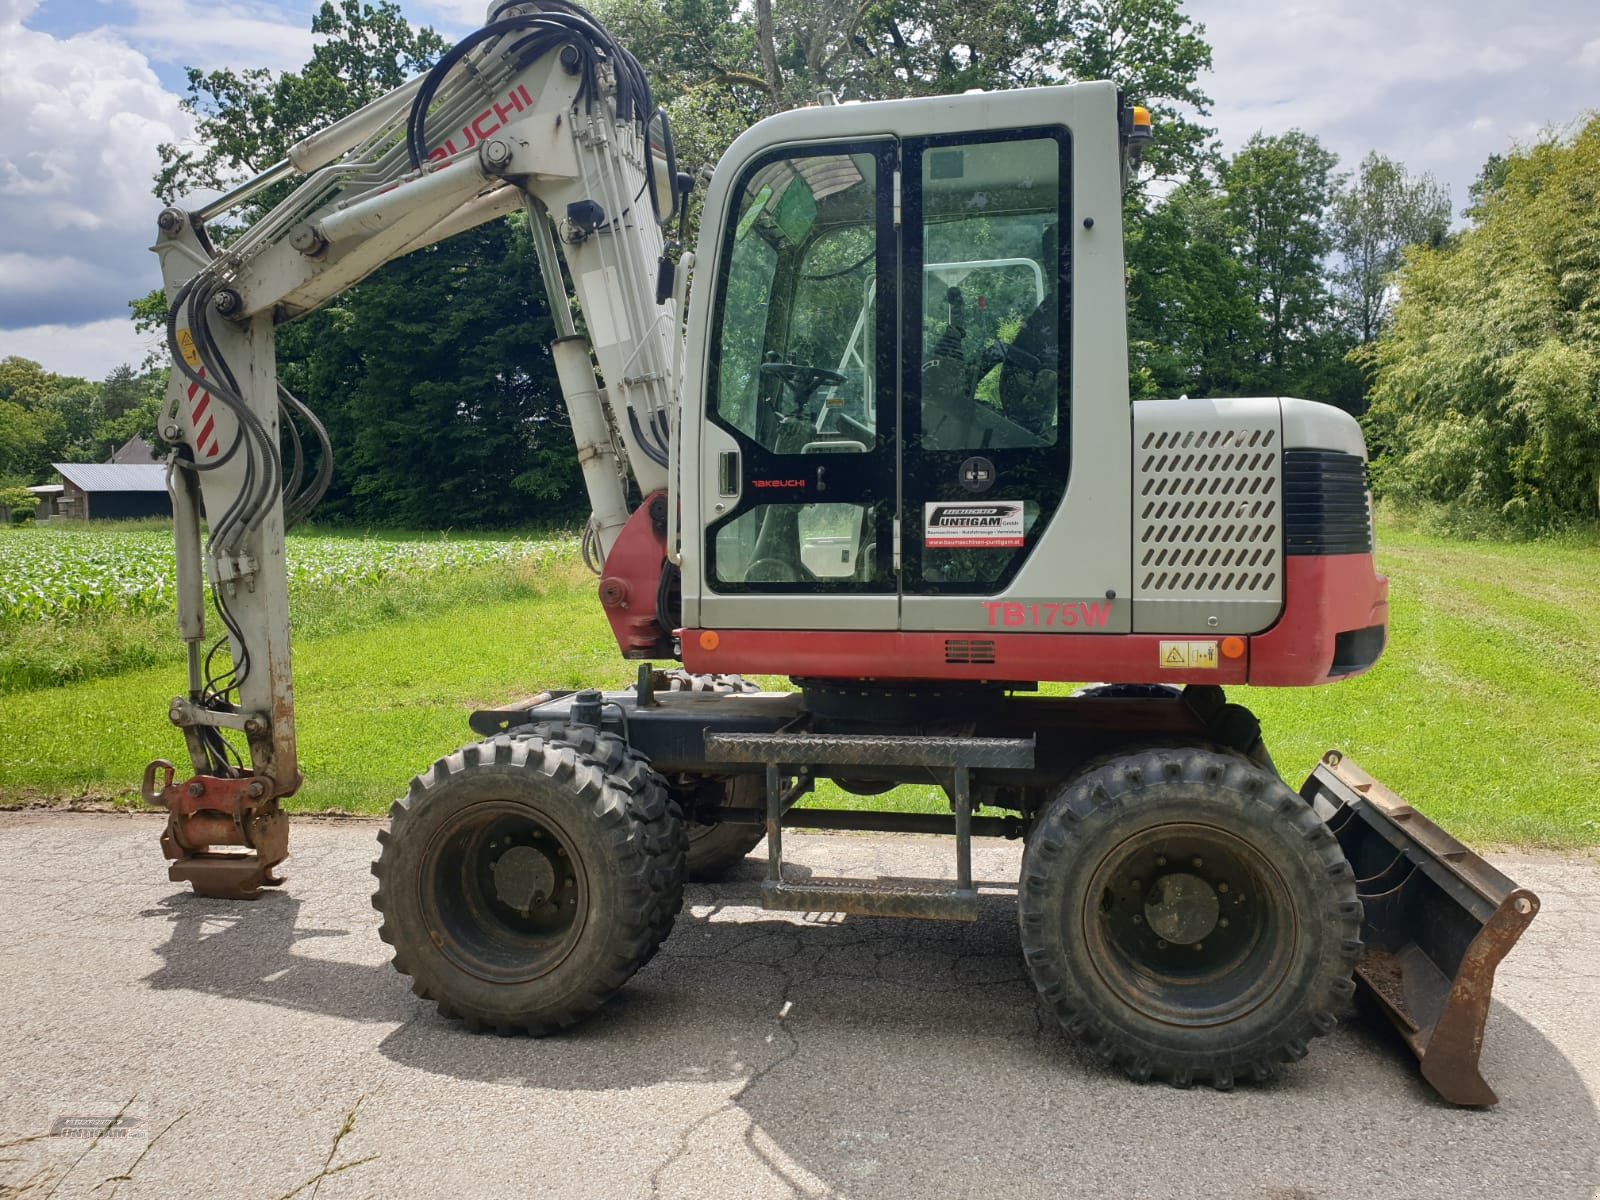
<point x="882" y="446"/>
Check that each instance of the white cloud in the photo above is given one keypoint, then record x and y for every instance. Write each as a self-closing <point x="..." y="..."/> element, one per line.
<point x="277" y="36"/>
<point x="90" y="351"/>
<point x="1589" y="56"/>
<point x="1437" y="84"/>
<point x="78" y="150"/>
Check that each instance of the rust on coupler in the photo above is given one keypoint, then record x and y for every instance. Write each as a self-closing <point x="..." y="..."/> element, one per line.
<point x="209" y="811"/>
<point x="1437" y="921"/>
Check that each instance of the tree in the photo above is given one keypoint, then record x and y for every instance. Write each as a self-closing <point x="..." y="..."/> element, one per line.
<point x="451" y="414"/>
<point x="1375" y="218"/>
<point x="1486" y="390"/>
<point x="31" y="426"/>
<point x="739" y="63"/>
<point x="1155" y="54"/>
<point x="1279" y="190"/>
<point x="1193" y="325"/>
<point x="433" y="375"/>
<point x="19" y="502"/>
<point x="247" y="120"/>
<point x="1491" y="178"/>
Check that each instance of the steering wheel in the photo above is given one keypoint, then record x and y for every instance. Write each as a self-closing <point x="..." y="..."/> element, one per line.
<point x="803" y="379"/>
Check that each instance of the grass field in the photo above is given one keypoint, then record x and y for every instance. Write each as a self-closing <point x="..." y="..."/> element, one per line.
<point x="1485" y="711"/>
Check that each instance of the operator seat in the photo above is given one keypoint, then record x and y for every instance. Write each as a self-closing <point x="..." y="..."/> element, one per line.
<point x="947" y="405"/>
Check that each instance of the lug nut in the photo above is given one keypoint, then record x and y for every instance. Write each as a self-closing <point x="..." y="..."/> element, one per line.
<point x="1161" y="860"/>
<point x="1222" y="887"/>
<point x="1222" y="922"/>
<point x="1197" y="863"/>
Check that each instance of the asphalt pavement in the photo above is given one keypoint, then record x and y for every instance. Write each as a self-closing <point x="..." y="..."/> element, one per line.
<point x="157" y="1044"/>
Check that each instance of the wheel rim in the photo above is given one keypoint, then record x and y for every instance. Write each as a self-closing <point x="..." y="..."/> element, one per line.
<point x="505" y="896"/>
<point x="1189" y="924"/>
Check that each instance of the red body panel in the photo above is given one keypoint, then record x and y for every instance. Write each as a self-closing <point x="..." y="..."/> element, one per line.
<point x="630" y="578"/>
<point x="1324" y="597"/>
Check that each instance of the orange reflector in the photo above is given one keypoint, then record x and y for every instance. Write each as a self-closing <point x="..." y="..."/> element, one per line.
<point x="1232" y="647"/>
<point x="709" y="639"/>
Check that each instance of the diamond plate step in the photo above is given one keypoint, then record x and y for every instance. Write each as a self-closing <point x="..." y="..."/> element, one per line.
<point x="926" y="899"/>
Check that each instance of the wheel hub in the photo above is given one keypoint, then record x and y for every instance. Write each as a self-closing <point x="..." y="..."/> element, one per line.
<point x="1189" y="924"/>
<point x="506" y="898"/>
<point x="1182" y="908"/>
<point x="523" y="878"/>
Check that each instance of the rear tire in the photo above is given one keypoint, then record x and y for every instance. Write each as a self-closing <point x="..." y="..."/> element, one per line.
<point x="714" y="850"/>
<point x="522" y="881"/>
<point x="1188" y="916"/>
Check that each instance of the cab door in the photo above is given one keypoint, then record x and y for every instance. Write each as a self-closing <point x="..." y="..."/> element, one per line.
<point x="987" y="450"/>
<point x="798" y="452"/>
<point x="1014" y="402"/>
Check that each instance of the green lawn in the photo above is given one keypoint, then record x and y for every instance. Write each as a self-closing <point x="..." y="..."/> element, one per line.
<point x="1485" y="712"/>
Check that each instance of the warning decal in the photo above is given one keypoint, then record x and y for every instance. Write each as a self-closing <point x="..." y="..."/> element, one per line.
<point x="187" y="349"/>
<point x="1189" y="655"/>
<point x="994" y="524"/>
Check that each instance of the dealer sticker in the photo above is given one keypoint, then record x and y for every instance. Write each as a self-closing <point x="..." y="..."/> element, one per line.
<point x="993" y="524"/>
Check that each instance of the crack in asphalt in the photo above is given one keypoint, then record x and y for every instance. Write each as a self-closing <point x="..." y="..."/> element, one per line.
<point x="785" y="1002"/>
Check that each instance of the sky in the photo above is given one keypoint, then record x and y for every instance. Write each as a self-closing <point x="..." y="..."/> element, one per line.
<point x="90" y="88"/>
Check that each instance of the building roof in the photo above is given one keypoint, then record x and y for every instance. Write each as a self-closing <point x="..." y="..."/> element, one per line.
<point x="47" y="489"/>
<point x="134" y="450"/>
<point x="115" y="477"/>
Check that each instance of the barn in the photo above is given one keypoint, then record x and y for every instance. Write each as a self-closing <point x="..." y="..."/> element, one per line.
<point x="113" y="491"/>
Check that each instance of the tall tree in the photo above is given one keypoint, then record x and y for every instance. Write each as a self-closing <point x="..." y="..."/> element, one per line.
<point x="1193" y="324"/>
<point x="1279" y="190"/>
<point x="1156" y="55"/>
<point x="1380" y="213"/>
<point x="247" y="120"/>
<point x="1487" y="381"/>
<point x="433" y="375"/>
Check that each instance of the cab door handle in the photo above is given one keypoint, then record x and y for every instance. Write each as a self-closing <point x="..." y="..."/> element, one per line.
<point x="728" y="473"/>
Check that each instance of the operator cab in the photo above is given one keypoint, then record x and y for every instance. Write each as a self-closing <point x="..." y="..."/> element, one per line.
<point x="888" y="375"/>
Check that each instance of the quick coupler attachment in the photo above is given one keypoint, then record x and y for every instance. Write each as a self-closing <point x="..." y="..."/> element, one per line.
<point x="1438" y="921"/>
<point x="210" y="811"/>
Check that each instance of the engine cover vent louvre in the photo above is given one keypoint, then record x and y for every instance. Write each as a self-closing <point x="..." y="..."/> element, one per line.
<point x="1325" y="503"/>
<point x="1208" y="513"/>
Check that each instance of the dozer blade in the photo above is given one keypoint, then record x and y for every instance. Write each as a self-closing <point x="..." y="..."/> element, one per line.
<point x="1438" y="921"/>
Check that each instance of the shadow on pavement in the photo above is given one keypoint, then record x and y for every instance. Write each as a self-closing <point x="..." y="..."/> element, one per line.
<point x="903" y="1058"/>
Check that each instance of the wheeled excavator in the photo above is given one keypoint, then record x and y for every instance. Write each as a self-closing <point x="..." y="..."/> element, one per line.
<point x="872" y="433"/>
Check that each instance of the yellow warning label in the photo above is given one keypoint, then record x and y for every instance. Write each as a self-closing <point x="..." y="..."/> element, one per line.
<point x="186" y="345"/>
<point x="1189" y="655"/>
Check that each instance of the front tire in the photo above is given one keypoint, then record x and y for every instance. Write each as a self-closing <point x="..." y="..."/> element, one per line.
<point x="522" y="881"/>
<point x="1188" y="916"/>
